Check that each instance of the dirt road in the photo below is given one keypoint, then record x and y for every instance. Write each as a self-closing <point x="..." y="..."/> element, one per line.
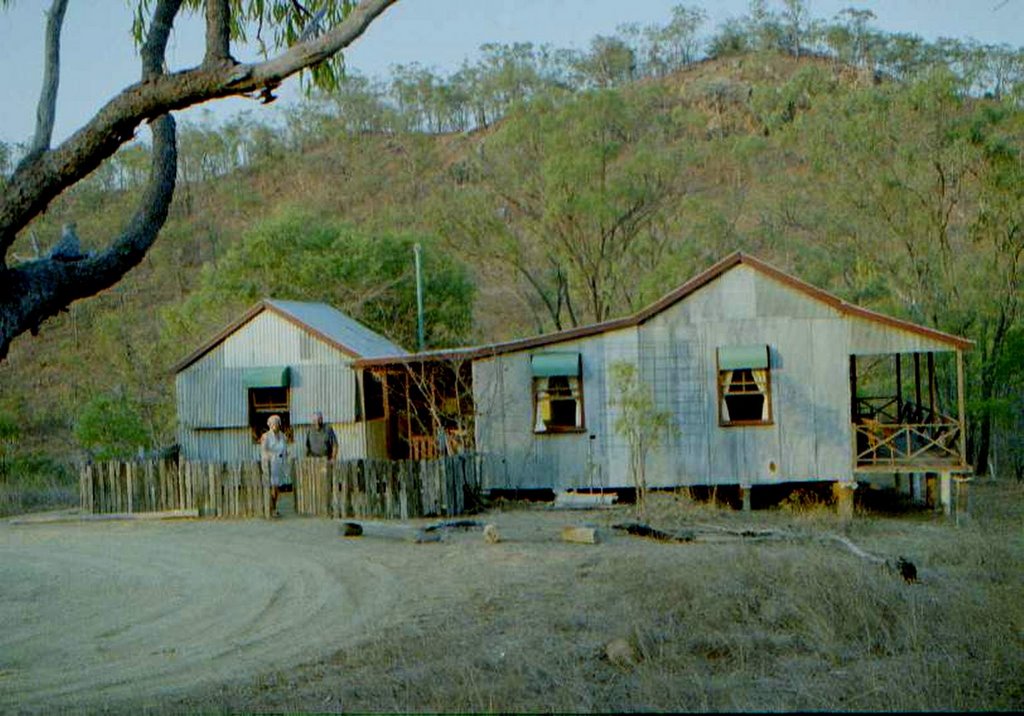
<point x="99" y="614"/>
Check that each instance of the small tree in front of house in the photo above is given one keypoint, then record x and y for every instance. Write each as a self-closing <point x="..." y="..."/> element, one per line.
<point x="639" y="422"/>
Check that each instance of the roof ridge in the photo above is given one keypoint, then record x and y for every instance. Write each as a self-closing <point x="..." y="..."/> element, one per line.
<point x="681" y="292"/>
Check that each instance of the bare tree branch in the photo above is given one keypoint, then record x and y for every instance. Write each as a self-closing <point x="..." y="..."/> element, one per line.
<point x="155" y="46"/>
<point x="39" y="289"/>
<point x="46" y="111"/>
<point x="36" y="184"/>
<point x="218" y="32"/>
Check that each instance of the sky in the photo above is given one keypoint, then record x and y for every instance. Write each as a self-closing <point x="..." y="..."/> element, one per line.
<point x="98" y="57"/>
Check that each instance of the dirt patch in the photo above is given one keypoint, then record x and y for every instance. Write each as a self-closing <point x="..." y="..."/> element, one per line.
<point x="96" y="614"/>
<point x="103" y="615"/>
<point x="286" y="615"/>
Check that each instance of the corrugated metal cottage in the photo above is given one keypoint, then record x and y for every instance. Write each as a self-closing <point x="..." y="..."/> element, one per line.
<point x="289" y="358"/>
<point x="767" y="379"/>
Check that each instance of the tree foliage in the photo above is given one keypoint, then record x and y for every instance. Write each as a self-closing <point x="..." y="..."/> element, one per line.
<point x="38" y="289"/>
<point x="639" y="422"/>
<point x="881" y="166"/>
<point x="299" y="256"/>
<point x="569" y="197"/>
<point x="110" y="427"/>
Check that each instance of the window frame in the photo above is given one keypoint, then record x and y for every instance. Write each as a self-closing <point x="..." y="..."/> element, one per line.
<point x="258" y="426"/>
<point x="720" y="375"/>
<point x="574" y="394"/>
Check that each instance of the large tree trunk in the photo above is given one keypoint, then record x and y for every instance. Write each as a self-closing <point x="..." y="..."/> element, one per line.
<point x="34" y="291"/>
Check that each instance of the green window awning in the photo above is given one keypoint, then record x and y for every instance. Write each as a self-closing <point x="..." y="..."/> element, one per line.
<point x="266" y="377"/>
<point x="546" y="365"/>
<point x="738" y="357"/>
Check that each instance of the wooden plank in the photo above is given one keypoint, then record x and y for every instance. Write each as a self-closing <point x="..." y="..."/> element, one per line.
<point x="115" y="492"/>
<point x="82" y="480"/>
<point x="151" y="486"/>
<point x="388" y="530"/>
<point x="327" y="489"/>
<point x="404" y="480"/>
<point x="347" y="477"/>
<point x="162" y="480"/>
<point x="108" y="517"/>
<point x="265" y="489"/>
<point x="580" y="535"/>
<point x="129" y="477"/>
<point x="389" y="496"/>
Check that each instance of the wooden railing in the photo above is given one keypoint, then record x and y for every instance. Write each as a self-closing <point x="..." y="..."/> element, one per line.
<point x="425" y="447"/>
<point x="889" y="409"/>
<point x="906" y="444"/>
<point x="354" y="488"/>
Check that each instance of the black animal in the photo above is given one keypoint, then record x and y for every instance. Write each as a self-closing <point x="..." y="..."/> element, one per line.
<point x="907" y="570"/>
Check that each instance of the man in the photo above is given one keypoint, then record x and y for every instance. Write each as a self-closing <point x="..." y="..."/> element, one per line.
<point x="320" y="440"/>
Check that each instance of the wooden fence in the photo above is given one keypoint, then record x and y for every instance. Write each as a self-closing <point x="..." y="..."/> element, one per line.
<point x="355" y="488"/>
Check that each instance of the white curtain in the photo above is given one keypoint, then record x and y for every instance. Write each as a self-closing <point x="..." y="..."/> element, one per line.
<point x="761" y="379"/>
<point x="726" y="382"/>
<point x="574" y="386"/>
<point x="543" y="404"/>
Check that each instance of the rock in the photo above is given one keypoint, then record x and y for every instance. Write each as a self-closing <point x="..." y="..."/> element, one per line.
<point x="491" y="535"/>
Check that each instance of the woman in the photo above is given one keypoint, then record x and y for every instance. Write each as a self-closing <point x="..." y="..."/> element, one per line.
<point x="274" y="456"/>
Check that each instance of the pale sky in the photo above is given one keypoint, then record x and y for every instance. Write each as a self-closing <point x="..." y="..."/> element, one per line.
<point x="98" y="57"/>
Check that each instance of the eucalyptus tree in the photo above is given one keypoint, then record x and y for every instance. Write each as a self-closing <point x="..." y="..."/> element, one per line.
<point x="304" y="39"/>
<point x="926" y="186"/>
<point x="567" y="195"/>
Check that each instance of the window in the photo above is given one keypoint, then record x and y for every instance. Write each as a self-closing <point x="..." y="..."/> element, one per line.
<point x="264" y="402"/>
<point x="267" y="390"/>
<point x="557" y="392"/>
<point x="744" y="386"/>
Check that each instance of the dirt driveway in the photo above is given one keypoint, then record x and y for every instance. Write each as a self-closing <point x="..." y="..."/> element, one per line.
<point x="98" y="614"/>
<point x="130" y="614"/>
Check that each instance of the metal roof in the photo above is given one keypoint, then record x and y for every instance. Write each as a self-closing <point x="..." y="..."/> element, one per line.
<point x="319" y="319"/>
<point x="668" y="300"/>
<point x="342" y="330"/>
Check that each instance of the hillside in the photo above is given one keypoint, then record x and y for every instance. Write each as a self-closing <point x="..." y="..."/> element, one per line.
<point x="580" y="206"/>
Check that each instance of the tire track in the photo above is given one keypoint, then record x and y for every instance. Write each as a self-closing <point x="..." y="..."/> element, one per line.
<point x="95" y="616"/>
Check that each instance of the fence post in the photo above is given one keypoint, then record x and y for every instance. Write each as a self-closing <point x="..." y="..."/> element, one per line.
<point x="129" y="475"/>
<point x="346" y="488"/>
<point x="84" y="487"/>
<point x="264" y="482"/>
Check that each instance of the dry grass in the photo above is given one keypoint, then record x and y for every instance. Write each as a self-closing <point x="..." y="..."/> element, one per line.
<point x="784" y="625"/>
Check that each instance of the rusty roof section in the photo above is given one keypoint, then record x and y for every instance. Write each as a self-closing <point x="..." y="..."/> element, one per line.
<point x="325" y="322"/>
<point x="671" y="298"/>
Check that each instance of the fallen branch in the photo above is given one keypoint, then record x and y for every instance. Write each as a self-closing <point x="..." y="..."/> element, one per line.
<point x="464" y="525"/>
<point x="583" y="500"/>
<point x="701" y="532"/>
<point x="403" y="532"/>
<point x="111" y="517"/>
<point x="903" y="566"/>
<point x="638" y="529"/>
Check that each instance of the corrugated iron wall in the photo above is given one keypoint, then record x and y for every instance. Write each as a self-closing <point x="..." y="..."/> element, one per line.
<point x="213" y="400"/>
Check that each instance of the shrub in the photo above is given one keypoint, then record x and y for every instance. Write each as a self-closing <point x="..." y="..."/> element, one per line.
<point x="110" y="427"/>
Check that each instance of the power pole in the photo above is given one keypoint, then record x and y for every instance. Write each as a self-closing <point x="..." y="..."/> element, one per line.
<point x="417" y="251"/>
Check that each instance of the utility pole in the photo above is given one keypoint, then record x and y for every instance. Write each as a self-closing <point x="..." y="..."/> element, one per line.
<point x="417" y="251"/>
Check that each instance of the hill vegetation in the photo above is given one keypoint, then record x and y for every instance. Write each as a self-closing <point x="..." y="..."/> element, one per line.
<point x="551" y="188"/>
